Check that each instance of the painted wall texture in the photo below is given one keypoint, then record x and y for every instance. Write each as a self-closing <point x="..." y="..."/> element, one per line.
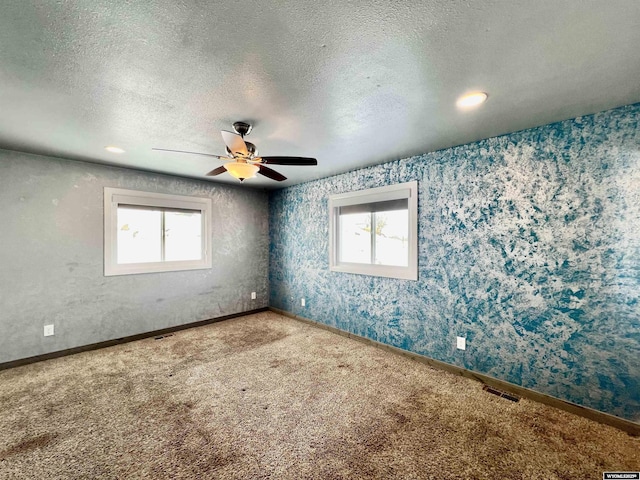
<point x="529" y="246"/>
<point x="51" y="257"/>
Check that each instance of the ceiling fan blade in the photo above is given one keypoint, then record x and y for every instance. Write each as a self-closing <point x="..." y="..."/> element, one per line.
<point x="272" y="174"/>
<point x="289" y="161"/>
<point x="216" y="171"/>
<point x="234" y="142"/>
<point x="193" y="153"/>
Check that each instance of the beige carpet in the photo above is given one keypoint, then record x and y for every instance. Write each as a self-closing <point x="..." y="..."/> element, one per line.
<point x="265" y="396"/>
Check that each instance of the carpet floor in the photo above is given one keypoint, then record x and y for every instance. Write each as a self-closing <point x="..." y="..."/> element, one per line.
<point x="265" y="396"/>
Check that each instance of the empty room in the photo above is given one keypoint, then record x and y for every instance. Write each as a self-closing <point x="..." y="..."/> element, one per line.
<point x="307" y="240"/>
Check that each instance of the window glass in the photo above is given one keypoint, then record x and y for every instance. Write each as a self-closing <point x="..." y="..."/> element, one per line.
<point x="183" y="236"/>
<point x="139" y="235"/>
<point x="355" y="238"/>
<point x="392" y="238"/>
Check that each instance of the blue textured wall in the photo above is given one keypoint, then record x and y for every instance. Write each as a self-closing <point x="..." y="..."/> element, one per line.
<point x="529" y="245"/>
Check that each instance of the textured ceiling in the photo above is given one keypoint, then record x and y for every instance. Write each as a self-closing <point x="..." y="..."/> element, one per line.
<point x="350" y="83"/>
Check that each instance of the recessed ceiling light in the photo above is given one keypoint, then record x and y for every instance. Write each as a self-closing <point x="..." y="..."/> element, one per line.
<point x="114" y="149"/>
<point x="472" y="99"/>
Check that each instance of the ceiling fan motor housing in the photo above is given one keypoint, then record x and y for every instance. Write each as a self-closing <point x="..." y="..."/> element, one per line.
<point x="242" y="128"/>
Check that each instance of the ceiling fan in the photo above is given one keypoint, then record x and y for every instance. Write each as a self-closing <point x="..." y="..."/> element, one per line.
<point x="242" y="157"/>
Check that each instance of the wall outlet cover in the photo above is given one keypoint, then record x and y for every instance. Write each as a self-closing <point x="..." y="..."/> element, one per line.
<point x="48" y="330"/>
<point x="302" y="302"/>
<point x="253" y="295"/>
<point x="461" y="343"/>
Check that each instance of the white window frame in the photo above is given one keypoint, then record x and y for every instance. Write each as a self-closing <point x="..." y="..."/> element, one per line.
<point x="407" y="190"/>
<point x="116" y="196"/>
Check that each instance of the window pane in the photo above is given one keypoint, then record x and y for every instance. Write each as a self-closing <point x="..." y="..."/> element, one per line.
<point x="355" y="238"/>
<point x="139" y="235"/>
<point x="183" y="236"/>
<point x="392" y="238"/>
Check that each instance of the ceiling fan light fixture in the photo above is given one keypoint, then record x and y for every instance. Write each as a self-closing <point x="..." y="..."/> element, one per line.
<point x="241" y="170"/>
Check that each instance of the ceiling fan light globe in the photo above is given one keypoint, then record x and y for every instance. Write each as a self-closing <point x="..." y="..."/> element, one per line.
<point x="241" y="170"/>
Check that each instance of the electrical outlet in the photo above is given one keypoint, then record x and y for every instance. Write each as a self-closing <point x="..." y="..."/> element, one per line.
<point x="253" y="295"/>
<point x="48" y="330"/>
<point x="461" y="343"/>
<point x="302" y="302"/>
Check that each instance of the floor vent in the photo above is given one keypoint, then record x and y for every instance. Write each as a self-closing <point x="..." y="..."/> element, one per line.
<point x="163" y="336"/>
<point x="500" y="393"/>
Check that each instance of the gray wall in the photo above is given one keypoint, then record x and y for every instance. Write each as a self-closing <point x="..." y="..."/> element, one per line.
<point x="51" y="257"/>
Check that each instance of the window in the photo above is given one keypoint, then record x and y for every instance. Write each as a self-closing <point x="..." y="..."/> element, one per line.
<point x="375" y="232"/>
<point x="152" y="232"/>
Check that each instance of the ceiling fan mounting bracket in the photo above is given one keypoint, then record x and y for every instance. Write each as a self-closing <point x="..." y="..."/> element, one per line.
<point x="242" y="128"/>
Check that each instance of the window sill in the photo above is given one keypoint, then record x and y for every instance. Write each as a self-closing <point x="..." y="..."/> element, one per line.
<point x="401" y="273"/>
<point x="138" y="268"/>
